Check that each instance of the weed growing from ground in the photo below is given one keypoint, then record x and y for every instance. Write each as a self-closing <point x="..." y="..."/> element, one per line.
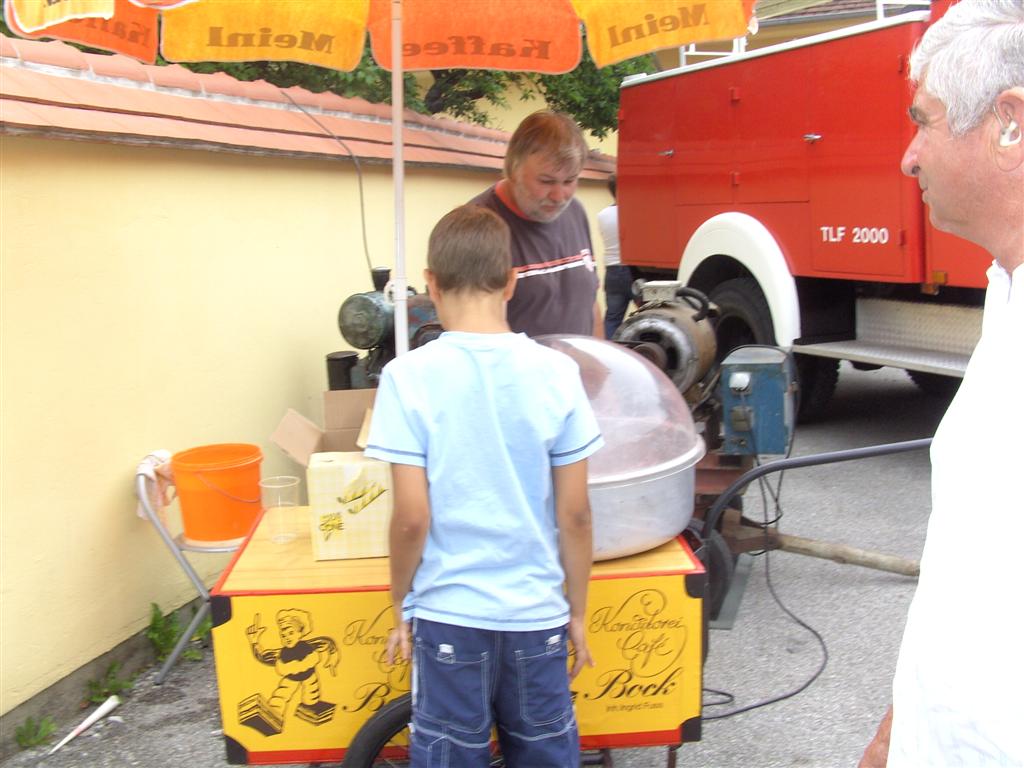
<point x="108" y="685"/>
<point x="34" y="733"/>
<point x="163" y="632"/>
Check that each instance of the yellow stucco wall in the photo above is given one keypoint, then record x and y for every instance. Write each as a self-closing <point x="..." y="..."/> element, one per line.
<point x="159" y="298"/>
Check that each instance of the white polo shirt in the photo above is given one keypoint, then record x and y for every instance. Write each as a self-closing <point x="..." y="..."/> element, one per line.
<point x="958" y="694"/>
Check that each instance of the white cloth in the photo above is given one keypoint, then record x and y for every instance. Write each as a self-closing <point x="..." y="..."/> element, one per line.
<point x="488" y="415"/>
<point x="157" y="468"/>
<point x="958" y="693"/>
<point x="608" y="226"/>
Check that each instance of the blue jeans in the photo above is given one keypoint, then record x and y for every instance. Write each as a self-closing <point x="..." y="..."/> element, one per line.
<point x="466" y="680"/>
<point x="618" y="292"/>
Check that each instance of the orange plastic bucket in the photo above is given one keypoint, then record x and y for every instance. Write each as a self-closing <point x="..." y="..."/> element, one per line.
<point x="218" y="490"/>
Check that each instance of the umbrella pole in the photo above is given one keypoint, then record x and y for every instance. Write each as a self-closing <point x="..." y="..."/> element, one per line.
<point x="399" y="281"/>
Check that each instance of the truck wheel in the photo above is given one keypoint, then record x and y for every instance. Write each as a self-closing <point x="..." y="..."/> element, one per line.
<point x="718" y="560"/>
<point x="744" y="318"/>
<point x="818" y="377"/>
<point x="935" y="384"/>
<point x="743" y="315"/>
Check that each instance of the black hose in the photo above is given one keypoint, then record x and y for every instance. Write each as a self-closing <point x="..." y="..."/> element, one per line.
<point x="685" y="292"/>
<point x="815" y="459"/>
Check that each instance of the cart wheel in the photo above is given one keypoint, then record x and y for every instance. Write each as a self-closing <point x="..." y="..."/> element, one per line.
<point x="379" y="733"/>
<point x="722" y="567"/>
<point x="718" y="560"/>
<point x="377" y="743"/>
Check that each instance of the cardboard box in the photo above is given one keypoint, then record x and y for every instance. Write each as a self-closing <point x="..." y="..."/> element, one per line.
<point x="345" y="411"/>
<point x="644" y="622"/>
<point x="350" y="501"/>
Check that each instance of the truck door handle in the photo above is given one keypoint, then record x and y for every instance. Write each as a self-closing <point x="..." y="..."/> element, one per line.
<point x="810" y="138"/>
<point x="667" y="153"/>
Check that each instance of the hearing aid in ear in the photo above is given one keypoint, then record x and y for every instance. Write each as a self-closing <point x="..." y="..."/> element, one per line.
<point x="1010" y="133"/>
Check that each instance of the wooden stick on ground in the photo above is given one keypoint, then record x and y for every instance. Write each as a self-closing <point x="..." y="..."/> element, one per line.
<point x="841" y="553"/>
<point x="742" y="536"/>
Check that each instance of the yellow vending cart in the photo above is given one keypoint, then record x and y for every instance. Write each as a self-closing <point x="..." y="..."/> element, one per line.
<point x="299" y="648"/>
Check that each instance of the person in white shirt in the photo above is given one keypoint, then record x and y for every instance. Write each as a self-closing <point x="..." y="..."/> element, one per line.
<point x="960" y="674"/>
<point x="618" y="278"/>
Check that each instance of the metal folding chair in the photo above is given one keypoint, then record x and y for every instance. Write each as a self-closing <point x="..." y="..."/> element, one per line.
<point x="145" y="478"/>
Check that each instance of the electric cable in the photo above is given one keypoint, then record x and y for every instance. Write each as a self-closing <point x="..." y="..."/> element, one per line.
<point x="802" y="687"/>
<point x="714" y="513"/>
<point x="727" y="698"/>
<point x="796" y="619"/>
<point x="355" y="162"/>
<point x="850" y="454"/>
<point x="776" y="497"/>
<point x="763" y="484"/>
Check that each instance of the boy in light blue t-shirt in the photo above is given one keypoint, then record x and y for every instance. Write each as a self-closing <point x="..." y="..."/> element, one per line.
<point x="488" y="434"/>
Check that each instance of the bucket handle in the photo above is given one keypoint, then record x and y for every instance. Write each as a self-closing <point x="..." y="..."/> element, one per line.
<point x="221" y="491"/>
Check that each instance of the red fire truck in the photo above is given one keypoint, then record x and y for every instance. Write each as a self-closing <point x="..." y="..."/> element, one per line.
<point x="770" y="180"/>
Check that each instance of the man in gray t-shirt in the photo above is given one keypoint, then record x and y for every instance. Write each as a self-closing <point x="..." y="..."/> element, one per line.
<point x="552" y="254"/>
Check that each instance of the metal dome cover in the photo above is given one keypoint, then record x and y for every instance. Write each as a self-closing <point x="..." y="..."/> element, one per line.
<point x="641" y="482"/>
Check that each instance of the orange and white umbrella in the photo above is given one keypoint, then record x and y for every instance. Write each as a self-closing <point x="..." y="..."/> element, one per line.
<point x="512" y="35"/>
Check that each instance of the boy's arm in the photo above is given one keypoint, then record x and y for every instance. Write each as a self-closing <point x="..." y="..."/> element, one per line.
<point x="410" y="522"/>
<point x="575" y="546"/>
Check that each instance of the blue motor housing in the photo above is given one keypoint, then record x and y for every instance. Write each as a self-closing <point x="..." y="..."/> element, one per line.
<point x="756" y="389"/>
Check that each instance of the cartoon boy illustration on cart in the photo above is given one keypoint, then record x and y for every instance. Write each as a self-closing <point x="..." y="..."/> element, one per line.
<point x="296" y="662"/>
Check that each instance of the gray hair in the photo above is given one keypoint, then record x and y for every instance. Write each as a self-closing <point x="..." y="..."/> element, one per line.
<point x="553" y="134"/>
<point x="970" y="56"/>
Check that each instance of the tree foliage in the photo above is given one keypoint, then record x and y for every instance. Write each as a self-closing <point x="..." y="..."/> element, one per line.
<point x="591" y="94"/>
<point x="588" y="93"/>
<point x="366" y="81"/>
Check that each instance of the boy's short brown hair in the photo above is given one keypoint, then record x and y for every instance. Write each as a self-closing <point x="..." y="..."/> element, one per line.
<point x="470" y="250"/>
<point x="552" y="134"/>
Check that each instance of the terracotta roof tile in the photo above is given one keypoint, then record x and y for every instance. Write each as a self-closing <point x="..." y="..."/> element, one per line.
<point x="54" y="53"/>
<point x="175" y="76"/>
<point x="8" y="48"/>
<point x="301" y="96"/>
<point x="118" y="66"/>
<point x="328" y="100"/>
<point x="112" y="98"/>
<point x="22" y="84"/>
<point x="220" y="82"/>
<point x="261" y="90"/>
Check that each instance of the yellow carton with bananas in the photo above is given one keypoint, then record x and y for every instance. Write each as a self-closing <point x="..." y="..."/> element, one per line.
<point x="350" y="500"/>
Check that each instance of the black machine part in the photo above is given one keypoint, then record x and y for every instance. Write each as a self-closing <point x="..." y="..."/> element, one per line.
<point x="367" y="320"/>
<point x="671" y="328"/>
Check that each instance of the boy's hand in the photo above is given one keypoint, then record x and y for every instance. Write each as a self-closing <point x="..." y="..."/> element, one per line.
<point x="578" y="638"/>
<point x="400" y="643"/>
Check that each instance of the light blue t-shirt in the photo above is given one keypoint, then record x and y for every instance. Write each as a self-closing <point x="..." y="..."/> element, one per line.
<point x="488" y="415"/>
